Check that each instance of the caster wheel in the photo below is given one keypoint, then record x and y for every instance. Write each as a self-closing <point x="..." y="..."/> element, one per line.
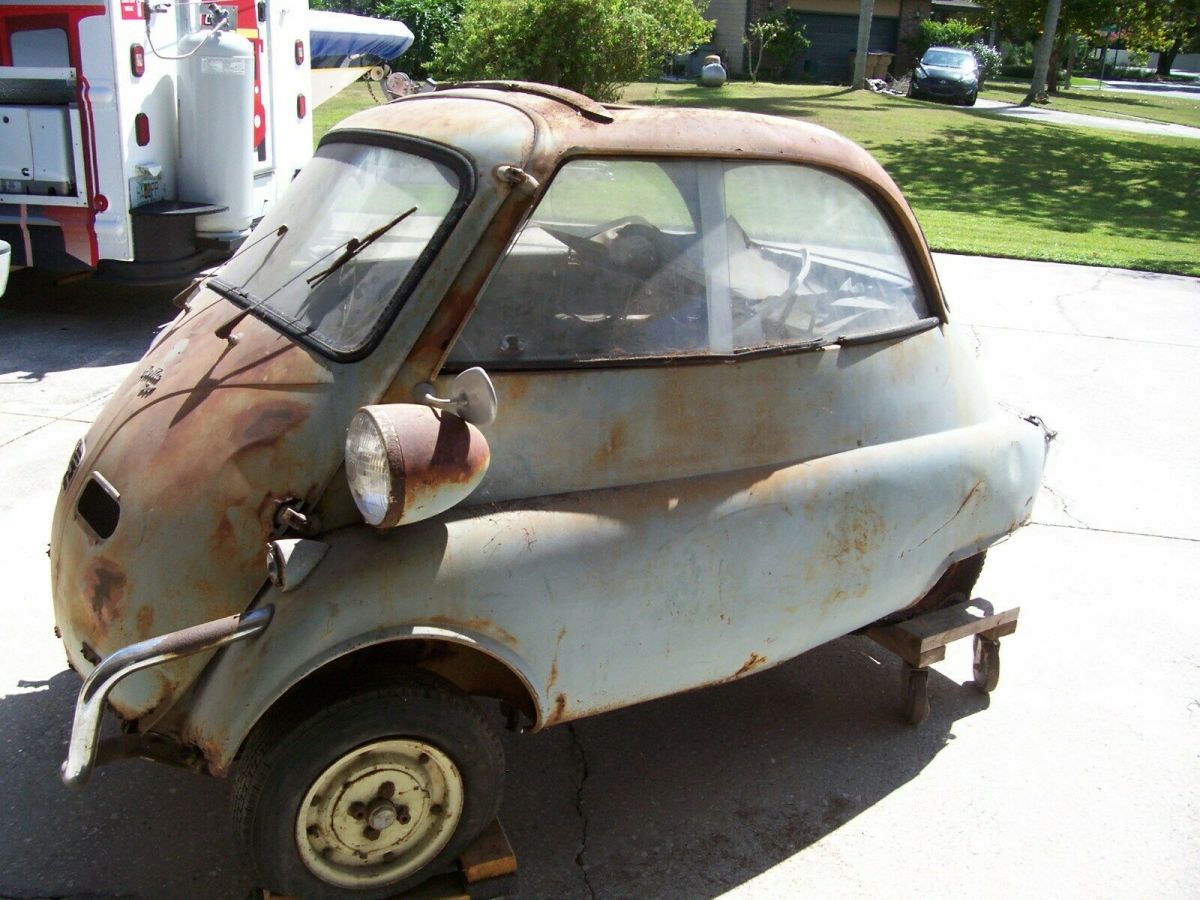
<point x="916" y="694"/>
<point x="986" y="668"/>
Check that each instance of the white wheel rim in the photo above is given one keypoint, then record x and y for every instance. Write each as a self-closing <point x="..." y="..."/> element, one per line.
<point x="380" y="813"/>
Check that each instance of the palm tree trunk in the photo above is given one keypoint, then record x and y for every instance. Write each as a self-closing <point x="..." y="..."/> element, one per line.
<point x="866" y="9"/>
<point x="1041" y="53"/>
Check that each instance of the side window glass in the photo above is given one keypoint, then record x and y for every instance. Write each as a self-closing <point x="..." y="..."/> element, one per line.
<point x="633" y="259"/>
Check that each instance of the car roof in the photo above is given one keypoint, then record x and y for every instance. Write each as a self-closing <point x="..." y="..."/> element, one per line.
<point x="493" y="121"/>
<point x="538" y="126"/>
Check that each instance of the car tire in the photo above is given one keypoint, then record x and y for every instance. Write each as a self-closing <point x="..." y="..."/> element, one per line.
<point x="960" y="578"/>
<point x="970" y="101"/>
<point x="419" y="752"/>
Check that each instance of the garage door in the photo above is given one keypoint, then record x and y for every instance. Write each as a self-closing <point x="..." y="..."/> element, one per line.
<point x="832" y="41"/>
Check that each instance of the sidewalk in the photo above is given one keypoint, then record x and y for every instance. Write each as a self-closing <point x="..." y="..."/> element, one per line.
<point x="1057" y="117"/>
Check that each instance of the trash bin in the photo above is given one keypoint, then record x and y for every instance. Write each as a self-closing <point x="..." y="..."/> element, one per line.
<point x="878" y="63"/>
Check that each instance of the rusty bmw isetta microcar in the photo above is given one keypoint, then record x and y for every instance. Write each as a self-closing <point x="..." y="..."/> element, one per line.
<point x="515" y="396"/>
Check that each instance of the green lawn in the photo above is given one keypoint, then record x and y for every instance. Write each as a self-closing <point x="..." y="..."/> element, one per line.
<point x="985" y="184"/>
<point x="995" y="186"/>
<point x="1084" y="98"/>
<point x="340" y="105"/>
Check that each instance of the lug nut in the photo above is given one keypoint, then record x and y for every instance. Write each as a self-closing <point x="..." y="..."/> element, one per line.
<point x="386" y="790"/>
<point x="370" y="833"/>
<point x="358" y="810"/>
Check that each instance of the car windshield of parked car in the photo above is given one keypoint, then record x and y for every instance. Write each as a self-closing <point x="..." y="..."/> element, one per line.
<point x="332" y="260"/>
<point x="948" y="59"/>
<point x="628" y="259"/>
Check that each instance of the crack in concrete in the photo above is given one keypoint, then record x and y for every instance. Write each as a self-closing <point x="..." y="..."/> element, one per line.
<point x="1062" y="505"/>
<point x="1145" y="534"/>
<point x="1091" y="337"/>
<point x="1060" y="298"/>
<point x="583" y="837"/>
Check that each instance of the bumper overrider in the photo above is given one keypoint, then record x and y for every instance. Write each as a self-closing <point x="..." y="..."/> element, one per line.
<point x="89" y="707"/>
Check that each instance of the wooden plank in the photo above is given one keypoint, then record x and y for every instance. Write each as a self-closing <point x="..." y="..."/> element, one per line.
<point x="490" y="856"/>
<point x="889" y="637"/>
<point x="922" y="640"/>
<point x="487" y="870"/>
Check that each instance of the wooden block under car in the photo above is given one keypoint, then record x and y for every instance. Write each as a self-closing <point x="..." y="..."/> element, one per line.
<point x="487" y="870"/>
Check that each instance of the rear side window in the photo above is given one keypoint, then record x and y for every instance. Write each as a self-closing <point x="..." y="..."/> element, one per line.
<point x="633" y="259"/>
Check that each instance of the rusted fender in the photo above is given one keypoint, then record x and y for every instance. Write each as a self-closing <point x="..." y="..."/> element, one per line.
<point x="606" y="598"/>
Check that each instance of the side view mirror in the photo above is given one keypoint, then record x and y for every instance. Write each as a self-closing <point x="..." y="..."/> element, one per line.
<point x="472" y="397"/>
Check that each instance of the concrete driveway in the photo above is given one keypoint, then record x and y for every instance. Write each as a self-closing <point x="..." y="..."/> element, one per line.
<point x="1079" y="777"/>
<point x="1080" y="120"/>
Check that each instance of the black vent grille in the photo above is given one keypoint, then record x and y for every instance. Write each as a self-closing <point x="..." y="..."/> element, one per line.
<point x="99" y="506"/>
<point x="73" y="463"/>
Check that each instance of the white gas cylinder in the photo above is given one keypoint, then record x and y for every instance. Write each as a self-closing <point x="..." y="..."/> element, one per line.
<point x="216" y="129"/>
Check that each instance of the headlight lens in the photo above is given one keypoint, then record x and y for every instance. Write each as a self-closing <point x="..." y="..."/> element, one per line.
<point x="367" y="468"/>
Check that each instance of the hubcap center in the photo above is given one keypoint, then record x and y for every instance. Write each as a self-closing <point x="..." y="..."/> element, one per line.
<point x="381" y="814"/>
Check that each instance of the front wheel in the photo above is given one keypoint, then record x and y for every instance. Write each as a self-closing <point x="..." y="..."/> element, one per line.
<point x="970" y="101"/>
<point x="366" y="793"/>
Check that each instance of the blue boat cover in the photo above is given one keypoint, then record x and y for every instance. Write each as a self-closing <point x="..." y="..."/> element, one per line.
<point x="335" y="37"/>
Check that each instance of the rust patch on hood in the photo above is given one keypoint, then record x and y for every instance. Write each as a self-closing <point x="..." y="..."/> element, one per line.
<point x="105" y="588"/>
<point x="145" y="621"/>
<point x="265" y="424"/>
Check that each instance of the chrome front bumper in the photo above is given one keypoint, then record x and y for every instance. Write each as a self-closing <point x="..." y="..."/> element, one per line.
<point x="81" y="755"/>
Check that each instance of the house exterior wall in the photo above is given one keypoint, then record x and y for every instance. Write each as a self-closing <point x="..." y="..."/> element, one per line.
<point x="733" y="15"/>
<point x="908" y="39"/>
<point x="730" y="16"/>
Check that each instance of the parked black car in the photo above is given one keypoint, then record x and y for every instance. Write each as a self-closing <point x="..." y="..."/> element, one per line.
<point x="946" y="73"/>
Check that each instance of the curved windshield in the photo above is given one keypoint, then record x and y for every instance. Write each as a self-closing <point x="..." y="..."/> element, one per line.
<point x="328" y="262"/>
<point x="949" y="59"/>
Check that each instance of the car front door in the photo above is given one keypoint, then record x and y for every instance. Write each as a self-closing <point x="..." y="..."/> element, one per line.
<point x="695" y="361"/>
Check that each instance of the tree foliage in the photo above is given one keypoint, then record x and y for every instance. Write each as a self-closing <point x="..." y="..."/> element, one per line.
<point x="591" y="46"/>
<point x="951" y="33"/>
<point x="1141" y="24"/>
<point x="777" y="33"/>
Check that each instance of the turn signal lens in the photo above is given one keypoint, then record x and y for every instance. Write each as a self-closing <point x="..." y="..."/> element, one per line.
<point x="301" y="106"/>
<point x="137" y="60"/>
<point x="299" y="52"/>
<point x="141" y="129"/>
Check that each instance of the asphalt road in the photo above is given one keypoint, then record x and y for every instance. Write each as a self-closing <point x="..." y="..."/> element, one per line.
<point x="1079" y="777"/>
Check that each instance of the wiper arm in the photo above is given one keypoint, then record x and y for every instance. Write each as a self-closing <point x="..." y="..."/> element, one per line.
<point x="354" y="246"/>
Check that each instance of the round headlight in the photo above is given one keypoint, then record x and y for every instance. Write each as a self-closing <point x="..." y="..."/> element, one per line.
<point x="367" y="467"/>
<point x="407" y="462"/>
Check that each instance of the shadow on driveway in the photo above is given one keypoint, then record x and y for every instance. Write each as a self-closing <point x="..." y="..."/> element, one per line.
<point x="683" y="797"/>
<point x="45" y="328"/>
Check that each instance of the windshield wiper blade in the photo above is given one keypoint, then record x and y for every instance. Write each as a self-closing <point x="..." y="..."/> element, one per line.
<point x="354" y="246"/>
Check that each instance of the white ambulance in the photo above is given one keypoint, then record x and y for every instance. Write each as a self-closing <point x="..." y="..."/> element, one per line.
<point x="143" y="139"/>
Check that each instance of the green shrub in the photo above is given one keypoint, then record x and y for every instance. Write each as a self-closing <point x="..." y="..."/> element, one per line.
<point x="951" y="33"/>
<point x="591" y="46"/>
<point x="988" y="58"/>
<point x="430" y="22"/>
